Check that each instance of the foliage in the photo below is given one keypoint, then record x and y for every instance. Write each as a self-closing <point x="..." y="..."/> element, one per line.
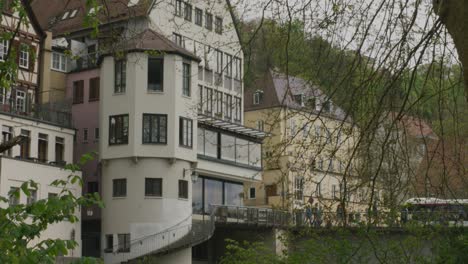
<point x="248" y="253"/>
<point x="413" y="244"/>
<point x="21" y="225"/>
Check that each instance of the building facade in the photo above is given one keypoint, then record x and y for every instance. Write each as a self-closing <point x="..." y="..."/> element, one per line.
<point x="172" y="141"/>
<point x="309" y="154"/>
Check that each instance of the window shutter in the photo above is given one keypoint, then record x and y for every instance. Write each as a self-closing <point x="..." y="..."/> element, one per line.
<point x="32" y="57"/>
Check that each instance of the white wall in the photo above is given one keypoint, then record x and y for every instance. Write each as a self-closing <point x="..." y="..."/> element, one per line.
<point x="14" y="172"/>
<point x="137" y="100"/>
<point x="35" y="128"/>
<point x="143" y="216"/>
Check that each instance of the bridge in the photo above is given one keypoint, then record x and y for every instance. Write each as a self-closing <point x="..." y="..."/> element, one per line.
<point x="181" y="236"/>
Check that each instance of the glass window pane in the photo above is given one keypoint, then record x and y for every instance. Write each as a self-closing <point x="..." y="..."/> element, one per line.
<point x="255" y="154"/>
<point x="201" y="141"/>
<point x="197" y="196"/>
<point x="242" y="151"/>
<point x="233" y="194"/>
<point x="228" y="147"/>
<point x="211" y="144"/>
<point x="213" y="193"/>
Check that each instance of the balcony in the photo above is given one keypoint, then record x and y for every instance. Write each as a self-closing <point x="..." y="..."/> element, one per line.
<point x="83" y="63"/>
<point x="41" y="113"/>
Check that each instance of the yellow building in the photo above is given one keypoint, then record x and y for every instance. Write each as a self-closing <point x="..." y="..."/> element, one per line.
<point x="308" y="156"/>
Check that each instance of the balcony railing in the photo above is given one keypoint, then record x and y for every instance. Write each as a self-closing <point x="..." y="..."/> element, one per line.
<point x="85" y="62"/>
<point x="38" y="112"/>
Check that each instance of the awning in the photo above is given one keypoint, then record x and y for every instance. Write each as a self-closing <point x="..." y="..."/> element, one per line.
<point x="232" y="127"/>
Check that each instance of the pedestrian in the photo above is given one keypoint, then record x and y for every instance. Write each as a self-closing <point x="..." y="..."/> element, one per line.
<point x="339" y="215"/>
<point x="318" y="214"/>
<point x="309" y="214"/>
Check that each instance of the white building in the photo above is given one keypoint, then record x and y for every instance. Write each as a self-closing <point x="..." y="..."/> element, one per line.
<point x="170" y="108"/>
<point x="40" y="158"/>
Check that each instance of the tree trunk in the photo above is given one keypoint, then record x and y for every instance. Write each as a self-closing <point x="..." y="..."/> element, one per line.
<point x="454" y="15"/>
<point x="11" y="143"/>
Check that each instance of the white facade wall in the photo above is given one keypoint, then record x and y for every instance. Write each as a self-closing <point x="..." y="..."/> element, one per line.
<point x="200" y="40"/>
<point x="35" y="127"/>
<point x="143" y="217"/>
<point x="14" y="172"/>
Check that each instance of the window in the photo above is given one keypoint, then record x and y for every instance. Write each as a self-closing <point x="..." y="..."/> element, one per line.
<point x="59" y="62"/>
<point x="326" y="106"/>
<point x="186" y="79"/>
<point x="252" y="193"/>
<point x="178" y="8"/>
<point x="260" y="125"/>
<point x="154" y="129"/>
<point x="311" y="102"/>
<point x="3" y="49"/>
<point x="120" y="76"/>
<point x="186" y="132"/>
<point x="183" y="189"/>
<point x="118" y="129"/>
<point x="198" y="17"/>
<point x="42" y="147"/>
<point x="94" y="89"/>
<point x="200" y="98"/>
<point x="228" y="65"/>
<point x="219" y="103"/>
<point x="13" y="199"/>
<point x="330" y="165"/>
<point x="335" y="192"/>
<point x="219" y="25"/>
<point x="156" y="74"/>
<point x="299" y="188"/>
<point x="25" y="145"/>
<point x="78" y="92"/>
<point x="93" y="187"/>
<point x="299" y="99"/>
<point x="24" y="56"/>
<point x="257" y="97"/>
<point x="219" y="61"/>
<point x="228" y="106"/>
<point x="209" y="21"/>
<point x="237" y="68"/>
<point x="7" y="132"/>
<point x="238" y="109"/>
<point x="51" y="195"/>
<point x="96" y="133"/>
<point x="85" y="135"/>
<point x="188" y="12"/>
<point x="119" y="187"/>
<point x="32" y="198"/>
<point x="20" y="101"/>
<point x="153" y="187"/>
<point x="179" y="40"/>
<point x="318" y="189"/>
<point x="59" y="149"/>
<point x="124" y="242"/>
<point x="208" y="100"/>
<point x="109" y="243"/>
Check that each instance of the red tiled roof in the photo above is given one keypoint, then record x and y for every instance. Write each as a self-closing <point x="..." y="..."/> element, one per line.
<point x="50" y="12"/>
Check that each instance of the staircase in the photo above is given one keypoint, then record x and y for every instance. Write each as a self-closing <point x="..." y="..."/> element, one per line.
<point x="200" y="231"/>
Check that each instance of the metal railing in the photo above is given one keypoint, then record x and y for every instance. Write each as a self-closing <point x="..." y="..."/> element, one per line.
<point x="38" y="113"/>
<point x="227" y="214"/>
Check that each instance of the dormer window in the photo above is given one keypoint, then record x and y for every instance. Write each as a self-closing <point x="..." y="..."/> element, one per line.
<point x="311" y="102"/>
<point x="327" y="106"/>
<point x="65" y="15"/>
<point x="73" y="13"/>
<point x="299" y="99"/>
<point x="257" y="97"/>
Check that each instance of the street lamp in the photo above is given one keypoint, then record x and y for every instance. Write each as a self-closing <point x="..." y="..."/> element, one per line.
<point x="193" y="174"/>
